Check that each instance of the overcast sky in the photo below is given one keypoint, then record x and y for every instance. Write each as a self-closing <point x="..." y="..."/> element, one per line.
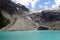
<point x="35" y="4"/>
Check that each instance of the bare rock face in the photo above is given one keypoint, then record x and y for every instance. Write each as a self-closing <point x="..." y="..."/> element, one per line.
<point x="20" y="22"/>
<point x="45" y="16"/>
<point x="50" y="19"/>
<point x="50" y="16"/>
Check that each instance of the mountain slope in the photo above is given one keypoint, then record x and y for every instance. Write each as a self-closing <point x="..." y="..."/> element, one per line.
<point x="20" y="20"/>
<point x="49" y="19"/>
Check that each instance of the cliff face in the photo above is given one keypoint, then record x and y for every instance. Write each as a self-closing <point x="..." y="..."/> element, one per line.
<point x="17" y="15"/>
<point x="49" y="19"/>
<point x="50" y="16"/>
<point x="22" y="19"/>
<point x="19" y="21"/>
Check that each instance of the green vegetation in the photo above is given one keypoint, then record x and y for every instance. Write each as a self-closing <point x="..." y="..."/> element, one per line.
<point x="9" y="7"/>
<point x="3" y="21"/>
<point x="52" y="25"/>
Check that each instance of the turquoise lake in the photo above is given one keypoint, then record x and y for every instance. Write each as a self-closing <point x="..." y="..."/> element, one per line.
<point x="30" y="35"/>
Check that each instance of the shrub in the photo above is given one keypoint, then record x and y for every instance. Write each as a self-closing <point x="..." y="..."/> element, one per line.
<point x="3" y="21"/>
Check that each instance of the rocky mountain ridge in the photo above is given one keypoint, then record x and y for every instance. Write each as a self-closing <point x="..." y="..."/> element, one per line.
<point x="50" y="18"/>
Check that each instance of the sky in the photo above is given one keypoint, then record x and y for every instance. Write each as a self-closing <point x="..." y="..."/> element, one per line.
<point x="36" y="4"/>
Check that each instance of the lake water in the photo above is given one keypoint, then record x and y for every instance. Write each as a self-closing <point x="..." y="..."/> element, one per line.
<point x="30" y="35"/>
